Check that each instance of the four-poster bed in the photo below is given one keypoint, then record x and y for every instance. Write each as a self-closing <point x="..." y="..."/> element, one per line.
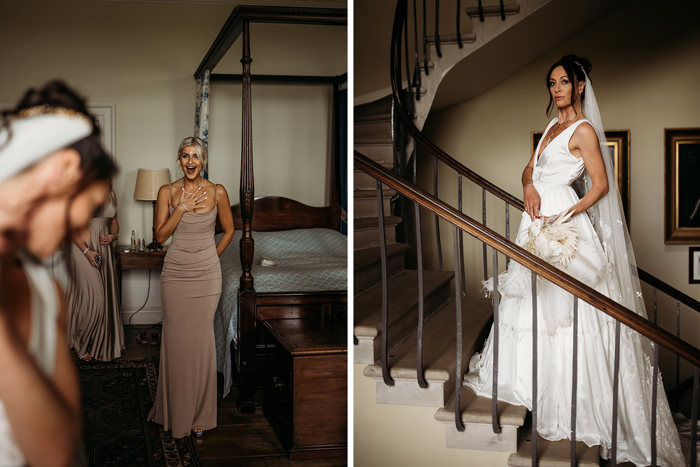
<point x="273" y="213"/>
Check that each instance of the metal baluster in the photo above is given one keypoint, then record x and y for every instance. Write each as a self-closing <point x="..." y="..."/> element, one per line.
<point x="616" y="385"/>
<point x="425" y="40"/>
<point x="677" y="396"/>
<point x="654" y="396"/>
<point x="409" y="82"/>
<point x="437" y="28"/>
<point x="458" y="306"/>
<point x="694" y="419"/>
<point x="459" y="35"/>
<point x="437" y="219"/>
<point x="574" y="386"/>
<point x="385" y="288"/>
<point x="507" y="230"/>
<point x="483" y="216"/>
<point x="461" y="234"/>
<point x="416" y="68"/>
<point x="534" y="368"/>
<point x="503" y="11"/>
<point x="496" y="334"/>
<point x="654" y="305"/>
<point x="481" y="12"/>
<point x="421" y="285"/>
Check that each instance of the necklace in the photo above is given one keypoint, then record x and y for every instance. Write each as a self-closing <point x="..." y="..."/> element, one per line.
<point x="559" y="124"/>
<point x="183" y="185"/>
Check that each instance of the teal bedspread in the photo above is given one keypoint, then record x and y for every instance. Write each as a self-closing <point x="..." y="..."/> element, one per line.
<point x="307" y="260"/>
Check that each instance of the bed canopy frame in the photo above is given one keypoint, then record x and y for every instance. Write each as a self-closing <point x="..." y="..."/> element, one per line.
<point x="274" y="213"/>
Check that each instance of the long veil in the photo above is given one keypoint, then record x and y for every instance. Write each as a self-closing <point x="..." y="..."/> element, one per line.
<point x="608" y="218"/>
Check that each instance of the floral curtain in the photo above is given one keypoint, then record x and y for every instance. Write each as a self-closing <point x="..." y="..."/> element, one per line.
<point x="201" y="114"/>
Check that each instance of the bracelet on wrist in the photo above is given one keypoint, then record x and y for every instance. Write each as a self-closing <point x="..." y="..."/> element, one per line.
<point x="180" y="204"/>
<point x="86" y="250"/>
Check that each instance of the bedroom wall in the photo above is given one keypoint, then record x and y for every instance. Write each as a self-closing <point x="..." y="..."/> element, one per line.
<point x="646" y="65"/>
<point x="141" y="57"/>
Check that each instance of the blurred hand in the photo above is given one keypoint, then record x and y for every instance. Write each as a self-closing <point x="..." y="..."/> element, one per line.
<point x="90" y="255"/>
<point x="106" y="240"/>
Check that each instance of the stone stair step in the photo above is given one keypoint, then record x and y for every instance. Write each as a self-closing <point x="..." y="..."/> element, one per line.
<point x="363" y="181"/>
<point x="473" y="12"/>
<point x="367" y="231"/>
<point x="423" y="91"/>
<point x="452" y="39"/>
<point x="439" y="355"/>
<point x="375" y="129"/>
<point x="553" y="453"/>
<point x="372" y="109"/>
<point x="372" y="141"/>
<point x="365" y="204"/>
<point x="368" y="267"/>
<point x="381" y="153"/>
<point x="476" y="416"/>
<point x="403" y="310"/>
<point x="431" y="65"/>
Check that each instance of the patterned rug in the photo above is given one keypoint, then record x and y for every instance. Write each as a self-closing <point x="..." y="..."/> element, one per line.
<point x="116" y="398"/>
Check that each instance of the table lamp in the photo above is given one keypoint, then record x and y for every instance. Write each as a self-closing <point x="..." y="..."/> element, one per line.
<point x="148" y="182"/>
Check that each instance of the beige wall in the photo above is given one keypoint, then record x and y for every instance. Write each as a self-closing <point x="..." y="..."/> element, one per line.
<point x="646" y="66"/>
<point x="373" y="20"/>
<point x="142" y="56"/>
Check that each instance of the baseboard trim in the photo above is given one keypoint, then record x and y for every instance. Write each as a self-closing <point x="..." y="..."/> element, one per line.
<point x="145" y="316"/>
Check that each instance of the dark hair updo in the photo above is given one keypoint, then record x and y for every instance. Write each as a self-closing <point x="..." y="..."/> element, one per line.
<point x="574" y="67"/>
<point x="95" y="163"/>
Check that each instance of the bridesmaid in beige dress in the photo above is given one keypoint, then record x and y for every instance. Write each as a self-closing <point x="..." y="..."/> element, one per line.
<point x="92" y="293"/>
<point x="190" y="287"/>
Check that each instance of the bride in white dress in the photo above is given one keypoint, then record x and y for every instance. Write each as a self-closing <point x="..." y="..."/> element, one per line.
<point x="571" y="149"/>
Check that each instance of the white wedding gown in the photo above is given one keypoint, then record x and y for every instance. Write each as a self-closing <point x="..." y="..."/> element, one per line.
<point x="554" y="171"/>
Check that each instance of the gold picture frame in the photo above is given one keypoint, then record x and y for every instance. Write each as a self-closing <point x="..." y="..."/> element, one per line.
<point x="618" y="142"/>
<point x="694" y="265"/>
<point x="682" y="185"/>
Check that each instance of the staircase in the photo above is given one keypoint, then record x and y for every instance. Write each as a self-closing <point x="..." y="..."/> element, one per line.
<point x="389" y="408"/>
<point x="372" y="126"/>
<point x="373" y="138"/>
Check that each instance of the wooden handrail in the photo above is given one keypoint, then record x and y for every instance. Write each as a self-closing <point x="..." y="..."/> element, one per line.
<point x="530" y="261"/>
<point x="668" y="289"/>
<point x="264" y="14"/>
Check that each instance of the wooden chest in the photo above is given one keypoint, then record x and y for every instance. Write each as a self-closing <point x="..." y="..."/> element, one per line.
<point x="306" y="388"/>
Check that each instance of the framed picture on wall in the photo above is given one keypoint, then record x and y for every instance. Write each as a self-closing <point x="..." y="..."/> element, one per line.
<point x="618" y="143"/>
<point x="682" y="186"/>
<point x="694" y="265"/>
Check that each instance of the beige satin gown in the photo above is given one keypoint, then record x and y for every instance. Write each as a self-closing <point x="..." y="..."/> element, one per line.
<point x="92" y="295"/>
<point x="190" y="287"/>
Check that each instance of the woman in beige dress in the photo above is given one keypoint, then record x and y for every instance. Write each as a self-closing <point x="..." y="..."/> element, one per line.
<point x="190" y="287"/>
<point x="92" y="294"/>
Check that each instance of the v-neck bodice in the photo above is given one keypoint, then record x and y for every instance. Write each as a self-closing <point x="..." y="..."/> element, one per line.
<point x="556" y="165"/>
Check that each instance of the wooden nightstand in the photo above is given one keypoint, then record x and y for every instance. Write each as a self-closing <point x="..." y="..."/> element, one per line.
<point x="138" y="260"/>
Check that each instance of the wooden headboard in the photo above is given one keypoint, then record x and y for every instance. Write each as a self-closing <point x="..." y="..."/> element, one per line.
<point x="273" y="213"/>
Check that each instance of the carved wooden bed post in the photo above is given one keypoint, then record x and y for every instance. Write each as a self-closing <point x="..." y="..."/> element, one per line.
<point x="246" y="293"/>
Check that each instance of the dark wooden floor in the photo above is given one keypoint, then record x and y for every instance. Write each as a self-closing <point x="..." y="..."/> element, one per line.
<point x="238" y="440"/>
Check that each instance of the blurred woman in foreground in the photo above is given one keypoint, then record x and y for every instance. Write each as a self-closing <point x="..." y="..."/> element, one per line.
<point x="56" y="175"/>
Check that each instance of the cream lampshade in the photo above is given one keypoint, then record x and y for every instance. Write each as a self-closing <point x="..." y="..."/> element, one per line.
<point x="148" y="182"/>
